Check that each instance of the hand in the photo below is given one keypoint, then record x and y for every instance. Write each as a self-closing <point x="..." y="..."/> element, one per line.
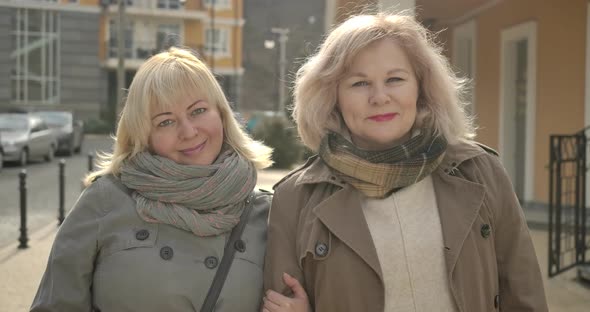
<point x="275" y="302"/>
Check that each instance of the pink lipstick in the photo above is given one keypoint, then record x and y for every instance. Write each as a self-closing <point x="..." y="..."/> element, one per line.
<point x="383" y="117"/>
<point x="193" y="150"/>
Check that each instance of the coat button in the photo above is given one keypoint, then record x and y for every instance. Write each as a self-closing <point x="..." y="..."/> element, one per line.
<point x="240" y="246"/>
<point x="166" y="253"/>
<point x="485" y="230"/>
<point x="211" y="262"/>
<point x="142" y="234"/>
<point x="321" y="249"/>
<point x="497" y="301"/>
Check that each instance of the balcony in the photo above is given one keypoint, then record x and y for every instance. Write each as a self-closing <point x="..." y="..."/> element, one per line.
<point x="136" y="52"/>
<point x="152" y="4"/>
<point x="157" y="8"/>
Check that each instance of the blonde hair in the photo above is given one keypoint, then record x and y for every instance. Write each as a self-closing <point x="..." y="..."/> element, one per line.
<point x="440" y="105"/>
<point x="162" y="81"/>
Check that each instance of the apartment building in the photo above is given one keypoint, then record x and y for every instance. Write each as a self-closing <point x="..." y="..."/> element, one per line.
<point x="48" y="56"/>
<point x="63" y="54"/>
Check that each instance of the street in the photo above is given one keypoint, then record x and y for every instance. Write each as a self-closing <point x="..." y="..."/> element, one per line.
<point x="43" y="189"/>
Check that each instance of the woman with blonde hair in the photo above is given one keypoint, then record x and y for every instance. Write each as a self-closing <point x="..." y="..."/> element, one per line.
<point x="171" y="220"/>
<point x="401" y="210"/>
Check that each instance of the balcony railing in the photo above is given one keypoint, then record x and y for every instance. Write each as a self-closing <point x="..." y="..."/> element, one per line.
<point x="133" y="49"/>
<point x="153" y="4"/>
<point x="140" y="50"/>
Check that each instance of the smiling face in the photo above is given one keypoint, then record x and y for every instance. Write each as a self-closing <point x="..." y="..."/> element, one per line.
<point x="377" y="97"/>
<point x="188" y="133"/>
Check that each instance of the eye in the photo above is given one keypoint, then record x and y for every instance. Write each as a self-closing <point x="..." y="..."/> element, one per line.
<point x="360" y="83"/>
<point x="394" y="79"/>
<point x="165" y="123"/>
<point x="198" y="111"/>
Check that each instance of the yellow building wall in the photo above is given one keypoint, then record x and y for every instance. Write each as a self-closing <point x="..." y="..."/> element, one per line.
<point x="237" y="47"/>
<point x="88" y="2"/>
<point x="236" y="8"/>
<point x="192" y="5"/>
<point x="193" y="35"/>
<point x="236" y="13"/>
<point x="234" y="61"/>
<point x="561" y="46"/>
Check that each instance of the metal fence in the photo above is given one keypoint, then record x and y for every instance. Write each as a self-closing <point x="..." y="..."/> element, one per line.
<point x="568" y="217"/>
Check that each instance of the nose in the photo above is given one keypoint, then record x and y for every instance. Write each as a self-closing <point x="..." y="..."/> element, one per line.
<point x="379" y="95"/>
<point x="186" y="130"/>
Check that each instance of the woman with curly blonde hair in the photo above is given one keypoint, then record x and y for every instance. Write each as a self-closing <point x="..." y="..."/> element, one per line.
<point x="401" y="210"/>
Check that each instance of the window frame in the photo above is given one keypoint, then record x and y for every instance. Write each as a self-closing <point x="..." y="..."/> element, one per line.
<point x="225" y="34"/>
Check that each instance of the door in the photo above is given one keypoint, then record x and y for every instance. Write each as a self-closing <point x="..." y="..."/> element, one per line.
<point x="520" y="112"/>
<point x="518" y="106"/>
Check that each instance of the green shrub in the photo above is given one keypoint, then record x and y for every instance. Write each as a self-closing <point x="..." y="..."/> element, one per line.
<point x="97" y="126"/>
<point x="280" y="134"/>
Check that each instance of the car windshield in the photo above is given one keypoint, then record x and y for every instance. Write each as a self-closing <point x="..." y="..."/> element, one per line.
<point x="13" y="123"/>
<point x="55" y="118"/>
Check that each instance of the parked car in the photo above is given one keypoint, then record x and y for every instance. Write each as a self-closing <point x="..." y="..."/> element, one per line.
<point x="68" y="131"/>
<point x="24" y="137"/>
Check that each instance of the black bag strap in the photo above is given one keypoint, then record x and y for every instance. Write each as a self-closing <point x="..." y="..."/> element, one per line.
<point x="228" y="257"/>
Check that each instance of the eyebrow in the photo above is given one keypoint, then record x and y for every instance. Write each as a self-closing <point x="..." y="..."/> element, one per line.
<point x="392" y="71"/>
<point x="169" y="113"/>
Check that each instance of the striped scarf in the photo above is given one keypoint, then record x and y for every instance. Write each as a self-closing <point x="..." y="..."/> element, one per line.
<point x="379" y="173"/>
<point x="205" y="200"/>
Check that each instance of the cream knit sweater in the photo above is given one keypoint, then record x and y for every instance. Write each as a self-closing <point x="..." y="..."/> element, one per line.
<point x="407" y="234"/>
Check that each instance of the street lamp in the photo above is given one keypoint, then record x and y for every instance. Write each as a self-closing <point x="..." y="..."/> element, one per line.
<point x="121" y="55"/>
<point x="283" y="34"/>
<point x="104" y="4"/>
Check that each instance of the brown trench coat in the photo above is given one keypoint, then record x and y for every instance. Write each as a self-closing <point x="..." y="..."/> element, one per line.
<point x="318" y="234"/>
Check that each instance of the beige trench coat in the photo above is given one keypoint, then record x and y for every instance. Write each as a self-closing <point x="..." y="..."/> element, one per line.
<point x="318" y="234"/>
<point x="105" y="258"/>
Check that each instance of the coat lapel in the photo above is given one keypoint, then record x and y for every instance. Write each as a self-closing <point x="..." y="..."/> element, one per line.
<point x="341" y="213"/>
<point x="459" y="202"/>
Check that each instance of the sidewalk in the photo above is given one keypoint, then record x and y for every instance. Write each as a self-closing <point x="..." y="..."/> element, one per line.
<point x="21" y="270"/>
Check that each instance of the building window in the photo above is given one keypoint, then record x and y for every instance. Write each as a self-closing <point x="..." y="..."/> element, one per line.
<point x="128" y="2"/>
<point x="219" y="4"/>
<point x="217" y="42"/>
<point x="35" y="75"/>
<point x="169" y="4"/>
<point x="113" y="44"/>
<point x="167" y="36"/>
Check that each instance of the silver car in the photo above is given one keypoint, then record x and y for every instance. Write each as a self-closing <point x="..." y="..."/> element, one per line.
<point x="68" y="131"/>
<point x="25" y="137"/>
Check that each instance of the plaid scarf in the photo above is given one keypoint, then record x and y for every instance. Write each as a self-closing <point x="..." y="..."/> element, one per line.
<point x="379" y="173"/>
<point x="205" y="200"/>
